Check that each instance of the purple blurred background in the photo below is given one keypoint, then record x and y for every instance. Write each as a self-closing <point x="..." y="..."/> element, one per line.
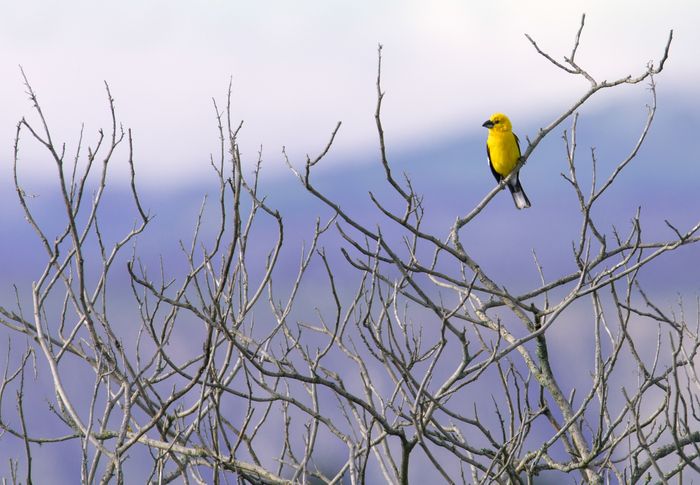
<point x="295" y="74"/>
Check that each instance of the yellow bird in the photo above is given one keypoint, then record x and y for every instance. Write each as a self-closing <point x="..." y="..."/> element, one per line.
<point x="503" y="151"/>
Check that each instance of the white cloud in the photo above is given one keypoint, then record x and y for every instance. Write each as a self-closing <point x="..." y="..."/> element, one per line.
<point x="299" y="67"/>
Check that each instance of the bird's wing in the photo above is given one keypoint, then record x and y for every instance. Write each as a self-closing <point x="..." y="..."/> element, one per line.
<point x="493" y="171"/>
<point x="517" y="143"/>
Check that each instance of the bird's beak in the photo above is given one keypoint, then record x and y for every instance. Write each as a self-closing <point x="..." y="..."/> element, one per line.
<point x="488" y="124"/>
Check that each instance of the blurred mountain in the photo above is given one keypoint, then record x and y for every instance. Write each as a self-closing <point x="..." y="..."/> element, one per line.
<point x="452" y="175"/>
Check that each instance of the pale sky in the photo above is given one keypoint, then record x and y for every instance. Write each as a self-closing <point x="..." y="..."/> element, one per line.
<point x="298" y="67"/>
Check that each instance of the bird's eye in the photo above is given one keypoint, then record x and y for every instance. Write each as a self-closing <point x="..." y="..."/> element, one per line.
<point x="496" y="122"/>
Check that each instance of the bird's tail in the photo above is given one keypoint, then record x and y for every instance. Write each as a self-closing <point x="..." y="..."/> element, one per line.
<point x="519" y="197"/>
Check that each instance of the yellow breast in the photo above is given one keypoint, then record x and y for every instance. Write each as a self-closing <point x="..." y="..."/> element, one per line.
<point x="503" y="151"/>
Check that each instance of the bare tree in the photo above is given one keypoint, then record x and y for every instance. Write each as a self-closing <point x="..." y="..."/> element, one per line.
<point x="426" y="359"/>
